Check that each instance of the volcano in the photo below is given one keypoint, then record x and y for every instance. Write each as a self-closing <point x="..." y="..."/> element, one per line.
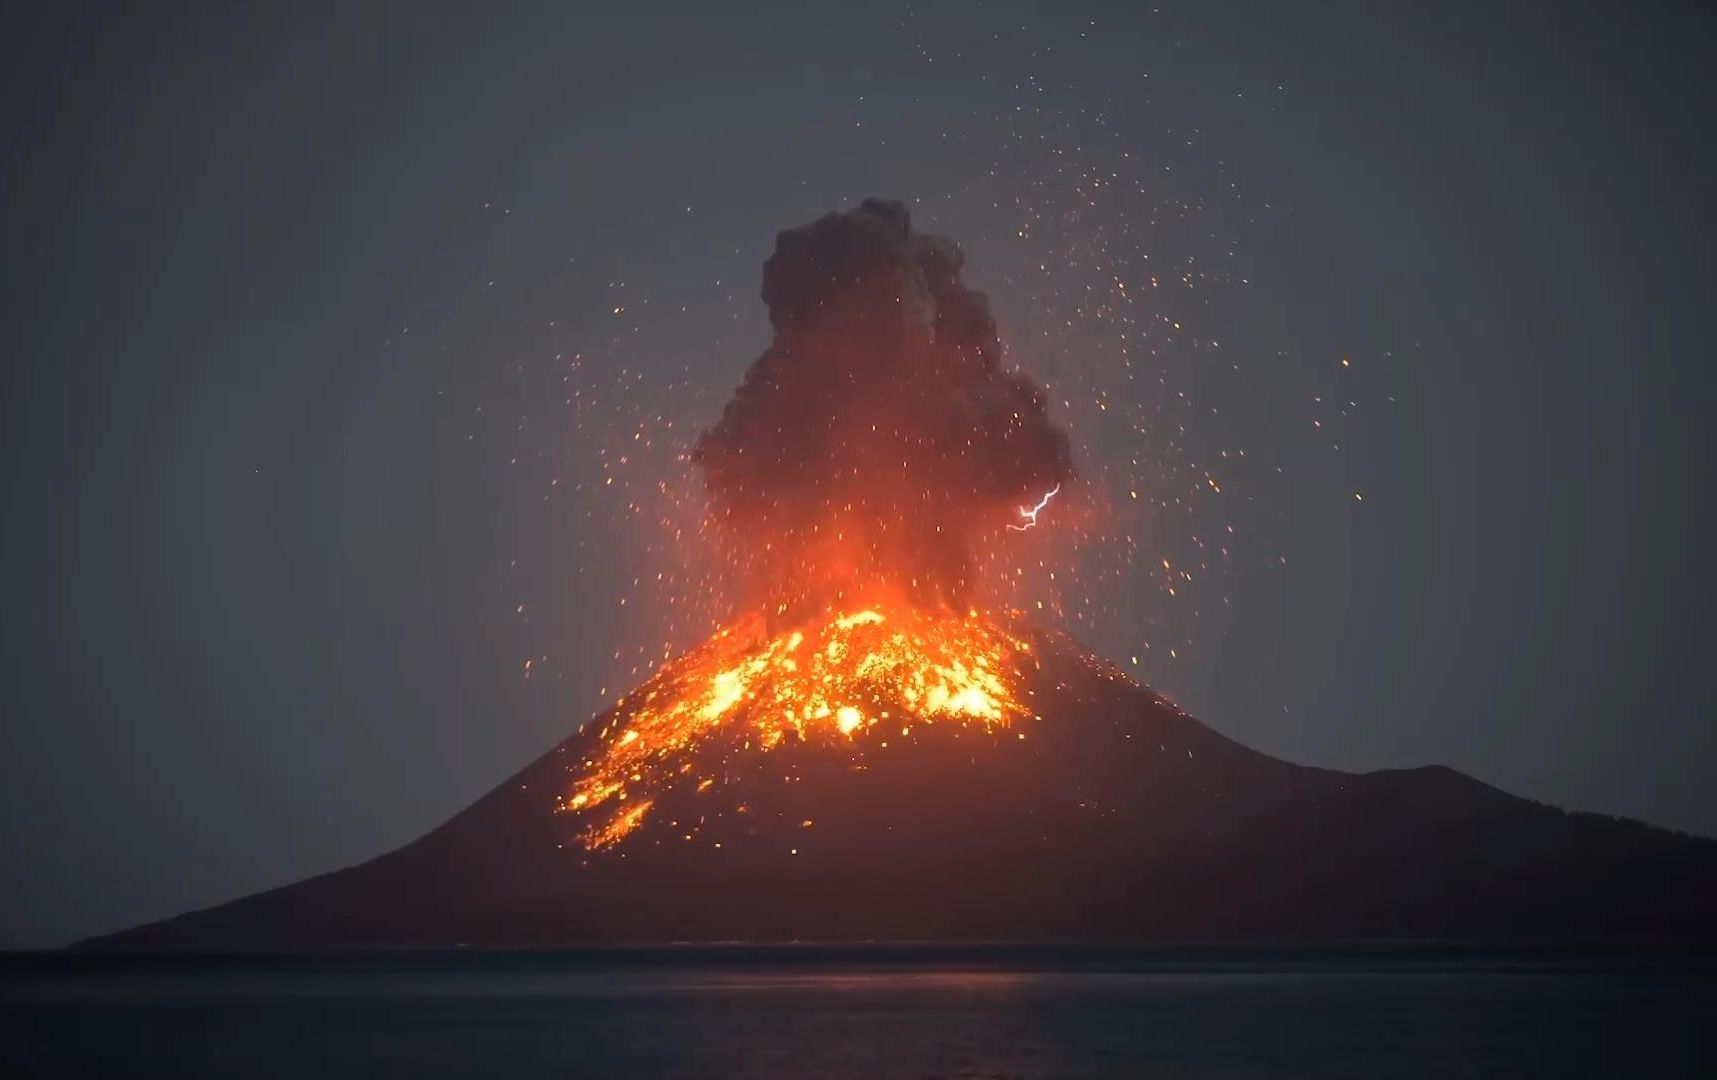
<point x="904" y="776"/>
<point x="873" y="754"/>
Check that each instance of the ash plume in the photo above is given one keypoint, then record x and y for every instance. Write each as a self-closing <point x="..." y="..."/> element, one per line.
<point x="877" y="441"/>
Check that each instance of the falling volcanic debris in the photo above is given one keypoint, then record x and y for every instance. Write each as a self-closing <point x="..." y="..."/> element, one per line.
<point x="877" y="441"/>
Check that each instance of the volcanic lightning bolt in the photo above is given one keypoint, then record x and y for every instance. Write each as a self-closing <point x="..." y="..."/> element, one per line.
<point x="1029" y="513"/>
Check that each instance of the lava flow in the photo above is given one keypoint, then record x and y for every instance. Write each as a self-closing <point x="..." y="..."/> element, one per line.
<point x="859" y="675"/>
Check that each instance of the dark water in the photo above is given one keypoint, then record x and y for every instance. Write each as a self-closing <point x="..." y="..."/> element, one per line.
<point x="864" y="1013"/>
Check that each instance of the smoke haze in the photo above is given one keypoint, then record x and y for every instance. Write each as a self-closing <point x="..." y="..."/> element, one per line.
<point x="877" y="441"/>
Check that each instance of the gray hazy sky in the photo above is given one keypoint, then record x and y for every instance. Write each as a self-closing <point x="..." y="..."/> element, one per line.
<point x="289" y="294"/>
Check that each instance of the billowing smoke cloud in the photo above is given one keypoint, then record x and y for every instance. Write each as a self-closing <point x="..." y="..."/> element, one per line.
<point x="877" y="441"/>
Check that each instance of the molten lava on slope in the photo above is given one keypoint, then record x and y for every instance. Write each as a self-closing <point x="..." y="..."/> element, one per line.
<point x="864" y="675"/>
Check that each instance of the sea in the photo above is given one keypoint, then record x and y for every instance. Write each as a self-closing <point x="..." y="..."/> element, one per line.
<point x="865" y="1011"/>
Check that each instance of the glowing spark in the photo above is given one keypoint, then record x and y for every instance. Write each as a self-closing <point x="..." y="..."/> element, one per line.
<point x="1029" y="513"/>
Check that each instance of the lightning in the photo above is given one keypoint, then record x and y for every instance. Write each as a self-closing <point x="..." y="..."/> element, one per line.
<point x="1029" y="513"/>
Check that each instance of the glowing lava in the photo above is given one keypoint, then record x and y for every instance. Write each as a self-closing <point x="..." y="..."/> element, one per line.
<point x="833" y="681"/>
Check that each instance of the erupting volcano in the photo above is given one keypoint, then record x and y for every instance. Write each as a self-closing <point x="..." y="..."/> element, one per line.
<point x="876" y="746"/>
<point x="868" y="454"/>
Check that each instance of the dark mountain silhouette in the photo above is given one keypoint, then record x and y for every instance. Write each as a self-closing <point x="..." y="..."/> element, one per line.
<point x="1115" y="818"/>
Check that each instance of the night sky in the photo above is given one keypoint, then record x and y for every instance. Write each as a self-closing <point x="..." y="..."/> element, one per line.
<point x="325" y="331"/>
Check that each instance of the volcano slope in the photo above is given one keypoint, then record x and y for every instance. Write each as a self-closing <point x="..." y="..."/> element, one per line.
<point x="1093" y="811"/>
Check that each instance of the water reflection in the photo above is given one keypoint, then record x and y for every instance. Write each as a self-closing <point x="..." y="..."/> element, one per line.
<point x="501" y="1015"/>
